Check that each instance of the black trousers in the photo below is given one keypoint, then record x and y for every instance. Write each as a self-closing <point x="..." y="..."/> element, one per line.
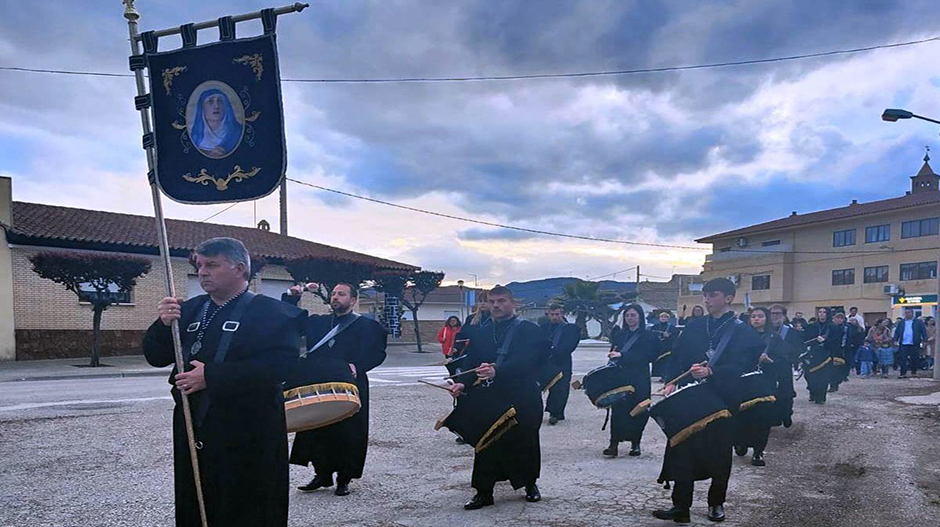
<point x="682" y="493"/>
<point x="910" y="358"/>
<point x="558" y="396"/>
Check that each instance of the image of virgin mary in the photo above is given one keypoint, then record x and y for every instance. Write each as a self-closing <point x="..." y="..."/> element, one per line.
<point x="216" y="131"/>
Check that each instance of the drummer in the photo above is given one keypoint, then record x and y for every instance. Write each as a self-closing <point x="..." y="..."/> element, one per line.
<point x="634" y="349"/>
<point x="234" y="390"/>
<point x="507" y="354"/>
<point x="360" y="342"/>
<point x="565" y="338"/>
<point x="707" y="454"/>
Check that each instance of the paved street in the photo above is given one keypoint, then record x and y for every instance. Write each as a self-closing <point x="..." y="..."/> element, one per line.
<point x="94" y="452"/>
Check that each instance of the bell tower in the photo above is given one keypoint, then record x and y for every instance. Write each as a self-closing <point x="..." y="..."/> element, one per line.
<point x="926" y="180"/>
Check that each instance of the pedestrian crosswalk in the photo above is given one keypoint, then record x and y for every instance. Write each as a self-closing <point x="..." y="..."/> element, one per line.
<point x="406" y="375"/>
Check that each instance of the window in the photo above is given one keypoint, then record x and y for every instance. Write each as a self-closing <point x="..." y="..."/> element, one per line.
<point x="917" y="228"/>
<point x="874" y="275"/>
<point x="919" y="271"/>
<point x="760" y="282"/>
<point x="87" y="293"/>
<point x="771" y="243"/>
<point x="843" y="238"/>
<point x="843" y="277"/>
<point x="878" y="233"/>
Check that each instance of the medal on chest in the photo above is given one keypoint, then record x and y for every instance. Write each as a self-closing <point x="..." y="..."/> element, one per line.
<point x="331" y="342"/>
<point x="196" y="347"/>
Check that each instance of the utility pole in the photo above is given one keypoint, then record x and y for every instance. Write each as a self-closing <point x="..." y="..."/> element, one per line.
<point x="283" y="203"/>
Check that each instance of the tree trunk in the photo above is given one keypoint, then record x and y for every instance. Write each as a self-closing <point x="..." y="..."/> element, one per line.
<point x="581" y="321"/>
<point x="414" y="316"/>
<point x="96" y="337"/>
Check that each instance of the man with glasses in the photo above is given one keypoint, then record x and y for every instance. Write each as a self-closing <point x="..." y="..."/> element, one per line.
<point x="783" y="373"/>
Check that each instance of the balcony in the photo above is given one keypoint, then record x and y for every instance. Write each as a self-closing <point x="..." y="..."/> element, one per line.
<point x="775" y="252"/>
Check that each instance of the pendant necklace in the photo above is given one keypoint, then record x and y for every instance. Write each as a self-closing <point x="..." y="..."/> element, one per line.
<point x="712" y="335"/>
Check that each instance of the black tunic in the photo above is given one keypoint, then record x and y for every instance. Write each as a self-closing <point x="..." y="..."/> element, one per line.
<point x="817" y="362"/>
<point x="666" y="344"/>
<point x="707" y="454"/>
<point x="516" y="456"/>
<point x="341" y="447"/>
<point x="752" y="426"/>
<point x="785" y="352"/>
<point x="240" y="415"/>
<point x="635" y="364"/>
<point x="567" y="336"/>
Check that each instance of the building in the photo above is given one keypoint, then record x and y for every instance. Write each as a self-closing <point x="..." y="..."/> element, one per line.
<point x="440" y="304"/>
<point x="40" y="319"/>
<point x="880" y="256"/>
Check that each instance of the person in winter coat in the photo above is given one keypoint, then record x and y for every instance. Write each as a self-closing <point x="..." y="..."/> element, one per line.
<point x="448" y="334"/>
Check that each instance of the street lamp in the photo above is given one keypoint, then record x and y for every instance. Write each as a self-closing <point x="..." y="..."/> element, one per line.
<point x="892" y="115"/>
<point x="462" y="300"/>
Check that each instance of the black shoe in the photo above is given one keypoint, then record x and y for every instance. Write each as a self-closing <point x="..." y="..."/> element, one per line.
<point x="611" y="451"/>
<point x="342" y="489"/>
<point x="716" y="513"/>
<point x="316" y="483"/>
<point x="532" y="493"/>
<point x="787" y="422"/>
<point x="740" y="450"/>
<point x="552" y="420"/>
<point x="634" y="449"/>
<point x="833" y="389"/>
<point x="460" y="441"/>
<point x="674" y="514"/>
<point x="479" y="501"/>
<point x="758" y="459"/>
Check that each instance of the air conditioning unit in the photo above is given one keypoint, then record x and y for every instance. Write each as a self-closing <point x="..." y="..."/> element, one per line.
<point x="741" y="242"/>
<point x="735" y="279"/>
<point x="891" y="289"/>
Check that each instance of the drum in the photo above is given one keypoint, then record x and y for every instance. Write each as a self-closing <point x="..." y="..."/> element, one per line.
<point x="480" y="418"/>
<point x="756" y="388"/>
<point x="607" y="385"/>
<point x="321" y="392"/>
<point x="455" y="365"/>
<point x="687" y="411"/>
<point x="549" y="374"/>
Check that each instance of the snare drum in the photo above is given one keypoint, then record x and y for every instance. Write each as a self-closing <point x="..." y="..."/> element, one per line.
<point x="756" y="388"/>
<point x="687" y="411"/>
<point x="480" y="418"/>
<point x="607" y="385"/>
<point x="322" y="392"/>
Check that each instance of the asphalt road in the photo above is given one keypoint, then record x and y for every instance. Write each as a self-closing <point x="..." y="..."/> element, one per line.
<point x="93" y="452"/>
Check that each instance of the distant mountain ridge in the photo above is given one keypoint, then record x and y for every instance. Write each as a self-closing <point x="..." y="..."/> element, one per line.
<point x="541" y="292"/>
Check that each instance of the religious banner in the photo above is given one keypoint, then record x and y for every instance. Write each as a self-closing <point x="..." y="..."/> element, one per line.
<point x="218" y="122"/>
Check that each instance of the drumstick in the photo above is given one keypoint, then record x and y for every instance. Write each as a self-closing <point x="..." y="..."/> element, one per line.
<point x="434" y="385"/>
<point x="683" y="376"/>
<point x="454" y="376"/>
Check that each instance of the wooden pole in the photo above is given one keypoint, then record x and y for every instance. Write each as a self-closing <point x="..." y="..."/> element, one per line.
<point x="132" y="16"/>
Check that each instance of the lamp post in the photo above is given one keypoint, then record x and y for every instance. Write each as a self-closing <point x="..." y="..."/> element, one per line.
<point x="462" y="300"/>
<point x="892" y="115"/>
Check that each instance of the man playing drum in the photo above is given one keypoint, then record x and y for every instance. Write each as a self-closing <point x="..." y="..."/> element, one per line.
<point x="240" y="346"/>
<point x="565" y="338"/>
<point x="339" y="448"/>
<point x="507" y="354"/>
<point x="717" y="349"/>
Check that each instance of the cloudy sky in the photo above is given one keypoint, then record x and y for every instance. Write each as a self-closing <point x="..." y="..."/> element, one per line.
<point x="662" y="158"/>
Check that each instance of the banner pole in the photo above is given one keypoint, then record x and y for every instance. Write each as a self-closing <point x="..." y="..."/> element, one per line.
<point x="132" y="15"/>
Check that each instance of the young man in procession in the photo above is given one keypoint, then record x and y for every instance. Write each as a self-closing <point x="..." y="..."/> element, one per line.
<point x="506" y="355"/>
<point x="359" y="342"/>
<point x="239" y="347"/>
<point x="789" y="349"/>
<point x="565" y="338"/>
<point x="717" y="348"/>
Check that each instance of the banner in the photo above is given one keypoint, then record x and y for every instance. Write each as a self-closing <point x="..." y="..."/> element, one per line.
<point x="218" y="121"/>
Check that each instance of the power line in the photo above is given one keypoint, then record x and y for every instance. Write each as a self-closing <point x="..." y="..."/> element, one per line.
<point x="485" y="78"/>
<point x="844" y="254"/>
<point x="611" y="274"/>
<point x="220" y="212"/>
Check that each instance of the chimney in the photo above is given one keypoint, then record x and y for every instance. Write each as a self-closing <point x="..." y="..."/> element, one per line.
<point x="793" y="213"/>
<point x="854" y="202"/>
<point x="6" y="200"/>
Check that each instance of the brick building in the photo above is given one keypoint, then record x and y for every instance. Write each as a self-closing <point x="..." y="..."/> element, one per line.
<point x="40" y="319"/>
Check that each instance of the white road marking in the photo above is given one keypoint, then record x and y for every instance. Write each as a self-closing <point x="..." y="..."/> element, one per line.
<point x="29" y="406"/>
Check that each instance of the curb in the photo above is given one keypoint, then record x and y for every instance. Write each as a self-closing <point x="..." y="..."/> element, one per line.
<point x="116" y="375"/>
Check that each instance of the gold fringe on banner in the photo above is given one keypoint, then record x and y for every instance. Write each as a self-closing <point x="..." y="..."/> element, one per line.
<point x="697" y="427"/>
<point x="753" y="402"/>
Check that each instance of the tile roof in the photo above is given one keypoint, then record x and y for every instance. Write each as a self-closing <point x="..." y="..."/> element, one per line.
<point x="850" y="211"/>
<point x="38" y="224"/>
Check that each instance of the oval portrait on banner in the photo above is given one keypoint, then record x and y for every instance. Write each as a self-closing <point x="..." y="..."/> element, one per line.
<point x="215" y="119"/>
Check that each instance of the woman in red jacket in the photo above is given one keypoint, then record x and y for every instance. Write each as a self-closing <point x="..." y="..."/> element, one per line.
<point x="448" y="334"/>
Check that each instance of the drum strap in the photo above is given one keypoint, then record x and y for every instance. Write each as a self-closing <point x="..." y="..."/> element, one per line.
<point x="336" y="330"/>
<point x="556" y="335"/>
<point x="231" y="325"/>
<point x="510" y="333"/>
<point x="723" y="343"/>
<point x="629" y="344"/>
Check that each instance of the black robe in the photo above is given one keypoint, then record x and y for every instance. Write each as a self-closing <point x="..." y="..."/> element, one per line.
<point x="341" y="448"/>
<point x="239" y="416"/>
<point x="817" y="361"/>
<point x="635" y="364"/>
<point x="707" y="454"/>
<point x="785" y="352"/>
<point x="843" y="349"/>
<point x="516" y="456"/>
<point x="752" y="426"/>
<point x="567" y="336"/>
<point x="666" y="345"/>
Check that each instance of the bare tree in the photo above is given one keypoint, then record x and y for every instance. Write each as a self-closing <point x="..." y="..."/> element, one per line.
<point x="327" y="272"/>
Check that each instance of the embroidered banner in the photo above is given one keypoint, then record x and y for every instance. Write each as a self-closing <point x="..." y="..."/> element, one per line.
<point x="218" y="121"/>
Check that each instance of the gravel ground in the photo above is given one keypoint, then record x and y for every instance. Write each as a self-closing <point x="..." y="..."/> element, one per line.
<point x="862" y="459"/>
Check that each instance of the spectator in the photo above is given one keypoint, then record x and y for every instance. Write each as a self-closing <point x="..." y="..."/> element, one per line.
<point x="697" y="311"/>
<point x="910" y="336"/>
<point x="882" y="340"/>
<point x="930" y="350"/>
<point x="448" y="334"/>
<point x="853" y="313"/>
<point x="856" y="340"/>
<point x="866" y="357"/>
